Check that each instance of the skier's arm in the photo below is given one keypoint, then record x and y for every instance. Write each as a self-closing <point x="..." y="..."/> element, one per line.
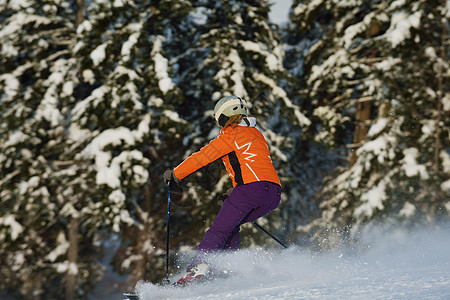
<point x="217" y="148"/>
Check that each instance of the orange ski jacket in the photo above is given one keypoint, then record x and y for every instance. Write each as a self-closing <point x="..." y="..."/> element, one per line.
<point x="243" y="150"/>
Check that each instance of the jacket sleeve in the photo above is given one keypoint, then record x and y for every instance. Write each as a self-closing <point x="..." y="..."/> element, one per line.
<point x="217" y="148"/>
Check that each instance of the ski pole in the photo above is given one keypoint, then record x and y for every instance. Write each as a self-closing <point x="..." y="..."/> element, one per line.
<point x="166" y="280"/>
<point x="268" y="233"/>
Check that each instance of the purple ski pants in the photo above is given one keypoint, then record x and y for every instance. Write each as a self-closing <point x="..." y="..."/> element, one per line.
<point x="246" y="203"/>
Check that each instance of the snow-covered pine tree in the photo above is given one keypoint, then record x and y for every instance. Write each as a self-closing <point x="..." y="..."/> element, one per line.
<point x="166" y="32"/>
<point x="71" y="162"/>
<point x="369" y="78"/>
<point x="38" y="81"/>
<point x="127" y="92"/>
<point x="309" y="160"/>
<point x="36" y="85"/>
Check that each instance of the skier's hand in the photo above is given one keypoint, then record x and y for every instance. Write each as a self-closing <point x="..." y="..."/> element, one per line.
<point x="170" y="178"/>
<point x="221" y="198"/>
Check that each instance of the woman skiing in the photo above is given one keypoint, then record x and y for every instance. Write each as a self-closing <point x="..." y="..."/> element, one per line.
<point x="257" y="188"/>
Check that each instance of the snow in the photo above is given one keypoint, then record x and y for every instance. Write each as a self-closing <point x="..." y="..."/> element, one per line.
<point x="125" y="217"/>
<point x="66" y="267"/>
<point x="397" y="4"/>
<point x="165" y="83"/>
<point x="232" y="68"/>
<point x="400" y="28"/>
<point x="143" y="128"/>
<point x="333" y="64"/>
<point x="281" y="93"/>
<point x="172" y="115"/>
<point x="15" y="138"/>
<point x="378" y="127"/>
<point x="11" y="86"/>
<point x="132" y="40"/>
<point x="99" y="54"/>
<point x="445" y="186"/>
<point x="410" y="165"/>
<point x="445" y="158"/>
<point x="200" y="15"/>
<point x="73" y="269"/>
<point x="372" y="199"/>
<point x="352" y="31"/>
<point x="273" y="61"/>
<point x="381" y="147"/>
<point x="86" y="25"/>
<point x="408" y="210"/>
<point x="447" y="9"/>
<point x="26" y="186"/>
<point x="386" y="264"/>
<point x="14" y="25"/>
<point x="387" y="63"/>
<point x="446" y="102"/>
<point x="48" y="108"/>
<point x="69" y="210"/>
<point x="155" y="102"/>
<point x="77" y="134"/>
<point x="346" y="4"/>
<point x="131" y="94"/>
<point x="301" y="9"/>
<point x="61" y="248"/>
<point x="19" y="4"/>
<point x="15" y="228"/>
<point x="428" y="129"/>
<point x="88" y="76"/>
<point x="117" y="197"/>
<point x="67" y="89"/>
<point x="108" y="168"/>
<point x="129" y="260"/>
<point x="118" y="3"/>
<point x="93" y="100"/>
<point x="19" y="260"/>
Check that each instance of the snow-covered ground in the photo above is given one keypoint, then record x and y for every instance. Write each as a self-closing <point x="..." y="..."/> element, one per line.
<point x="390" y="264"/>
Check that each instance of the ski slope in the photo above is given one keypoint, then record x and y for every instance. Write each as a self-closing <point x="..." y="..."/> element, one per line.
<point x="387" y="265"/>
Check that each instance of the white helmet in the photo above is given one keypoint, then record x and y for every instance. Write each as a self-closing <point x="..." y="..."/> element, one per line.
<point x="229" y="106"/>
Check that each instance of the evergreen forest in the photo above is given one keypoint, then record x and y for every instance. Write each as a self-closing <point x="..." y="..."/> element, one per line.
<point x="98" y="98"/>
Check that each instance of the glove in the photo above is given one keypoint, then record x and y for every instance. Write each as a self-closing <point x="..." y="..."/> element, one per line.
<point x="170" y="178"/>
<point x="221" y="198"/>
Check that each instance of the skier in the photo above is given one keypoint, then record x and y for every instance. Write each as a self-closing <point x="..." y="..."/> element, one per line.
<point x="256" y="186"/>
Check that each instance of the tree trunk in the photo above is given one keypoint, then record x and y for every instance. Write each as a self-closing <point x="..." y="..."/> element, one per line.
<point x="139" y="271"/>
<point x="81" y="12"/>
<point x="437" y="142"/>
<point x="361" y="129"/>
<point x="72" y="258"/>
<point x="33" y="286"/>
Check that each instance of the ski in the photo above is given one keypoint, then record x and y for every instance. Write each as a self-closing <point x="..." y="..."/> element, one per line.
<point x="190" y="280"/>
<point x="131" y="296"/>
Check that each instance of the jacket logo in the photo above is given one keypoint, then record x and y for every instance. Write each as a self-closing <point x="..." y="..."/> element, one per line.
<point x="250" y="155"/>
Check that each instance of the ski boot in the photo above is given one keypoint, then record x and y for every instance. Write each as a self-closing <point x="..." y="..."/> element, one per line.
<point x="195" y="274"/>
